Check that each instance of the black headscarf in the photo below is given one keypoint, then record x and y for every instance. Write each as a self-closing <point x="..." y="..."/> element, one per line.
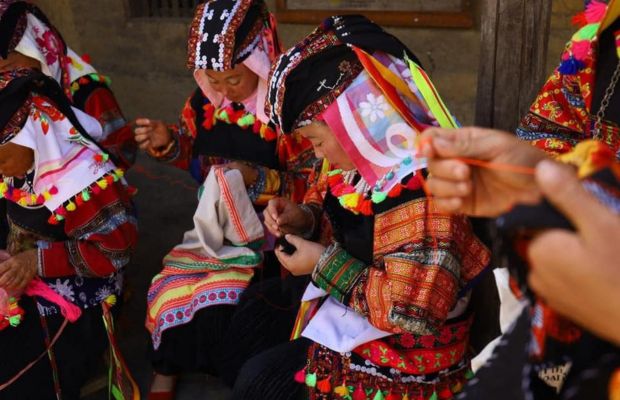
<point x="224" y="33"/>
<point x="311" y="75"/>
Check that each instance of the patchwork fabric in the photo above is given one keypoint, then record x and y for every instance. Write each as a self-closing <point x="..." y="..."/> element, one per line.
<point x="215" y="262"/>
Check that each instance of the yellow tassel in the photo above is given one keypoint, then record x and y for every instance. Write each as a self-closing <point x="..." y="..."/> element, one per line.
<point x="33" y="199"/>
<point x="350" y="200"/>
<point x="119" y="172"/>
<point x="342" y="390"/>
<point x="47" y="195"/>
<point x="110" y="300"/>
<point x="103" y="184"/>
<point x="22" y="202"/>
<point x="71" y="206"/>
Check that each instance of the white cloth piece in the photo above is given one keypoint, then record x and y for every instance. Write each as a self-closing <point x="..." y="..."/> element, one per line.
<point x="214" y="221"/>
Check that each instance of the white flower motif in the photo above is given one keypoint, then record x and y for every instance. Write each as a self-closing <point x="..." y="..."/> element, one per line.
<point x="374" y="108"/>
<point x="103" y="293"/>
<point x="64" y="288"/>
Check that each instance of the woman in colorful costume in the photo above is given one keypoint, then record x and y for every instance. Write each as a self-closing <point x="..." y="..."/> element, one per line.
<point x="71" y="226"/>
<point x="393" y="285"/>
<point x="30" y="40"/>
<point x="223" y="126"/>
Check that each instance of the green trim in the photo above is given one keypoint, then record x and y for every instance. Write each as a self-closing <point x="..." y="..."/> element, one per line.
<point x="337" y="273"/>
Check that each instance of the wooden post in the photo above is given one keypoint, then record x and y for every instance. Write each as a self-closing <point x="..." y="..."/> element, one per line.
<point x="513" y="58"/>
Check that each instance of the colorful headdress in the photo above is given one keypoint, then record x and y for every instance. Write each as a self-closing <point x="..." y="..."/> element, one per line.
<point x="67" y="160"/>
<point x="317" y="69"/>
<point x="26" y="29"/>
<point x="225" y="33"/>
<point x="375" y="104"/>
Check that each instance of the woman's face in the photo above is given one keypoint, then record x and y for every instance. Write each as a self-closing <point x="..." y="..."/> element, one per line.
<point x="326" y="146"/>
<point x="15" y="160"/>
<point x="15" y="60"/>
<point x="236" y="84"/>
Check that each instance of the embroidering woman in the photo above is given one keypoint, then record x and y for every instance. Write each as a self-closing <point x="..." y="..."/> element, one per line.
<point x="392" y="320"/>
<point x="223" y="125"/>
<point x="29" y="40"/>
<point x="71" y="224"/>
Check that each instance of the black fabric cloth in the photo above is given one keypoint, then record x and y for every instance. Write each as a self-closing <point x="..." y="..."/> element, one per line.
<point x="189" y="348"/>
<point x="4" y="224"/>
<point x="264" y="319"/>
<point x="220" y="339"/>
<point x="78" y="352"/>
<point x="606" y="65"/>
<point x="303" y="84"/>
<point x="230" y="141"/>
<point x="270" y="374"/>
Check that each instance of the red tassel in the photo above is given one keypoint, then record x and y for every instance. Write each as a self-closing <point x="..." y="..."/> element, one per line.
<point x="95" y="189"/>
<point x="86" y="58"/>
<point x="396" y="190"/>
<point x="110" y="179"/>
<point x="445" y="394"/>
<point x="256" y="126"/>
<point x="365" y="208"/>
<point x="270" y="134"/>
<point x="414" y="183"/>
<point x="53" y="190"/>
<point x="78" y="199"/>
<point x="300" y="376"/>
<point x="393" y="396"/>
<point x="359" y="393"/>
<point x="61" y="211"/>
<point x="579" y="20"/>
<point x="53" y="220"/>
<point x="209" y="111"/>
<point x="324" y="385"/>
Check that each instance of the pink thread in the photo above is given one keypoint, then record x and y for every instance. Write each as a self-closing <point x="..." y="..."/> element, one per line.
<point x="39" y="288"/>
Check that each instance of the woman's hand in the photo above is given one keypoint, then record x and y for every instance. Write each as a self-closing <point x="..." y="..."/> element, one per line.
<point x="578" y="273"/>
<point x="283" y="216"/>
<point x="303" y="260"/>
<point x="17" y="272"/>
<point x="151" y="135"/>
<point x="458" y="187"/>
<point x="249" y="173"/>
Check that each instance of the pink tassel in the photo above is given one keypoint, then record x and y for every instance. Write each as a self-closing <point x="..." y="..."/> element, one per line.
<point x="581" y="49"/>
<point x="595" y="11"/>
<point x="39" y="288"/>
<point x="300" y="376"/>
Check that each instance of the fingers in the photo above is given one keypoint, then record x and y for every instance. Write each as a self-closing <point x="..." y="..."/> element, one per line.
<point x="560" y="184"/>
<point x="143" y="122"/>
<point x="470" y="142"/>
<point x="295" y="240"/>
<point x="271" y="214"/>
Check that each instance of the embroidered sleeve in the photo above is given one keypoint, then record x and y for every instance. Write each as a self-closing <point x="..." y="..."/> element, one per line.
<point x="425" y="259"/>
<point x="94" y="97"/>
<point x="337" y="273"/>
<point x="102" y="234"/>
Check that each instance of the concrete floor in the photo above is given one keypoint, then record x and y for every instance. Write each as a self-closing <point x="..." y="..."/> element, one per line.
<point x="166" y="201"/>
